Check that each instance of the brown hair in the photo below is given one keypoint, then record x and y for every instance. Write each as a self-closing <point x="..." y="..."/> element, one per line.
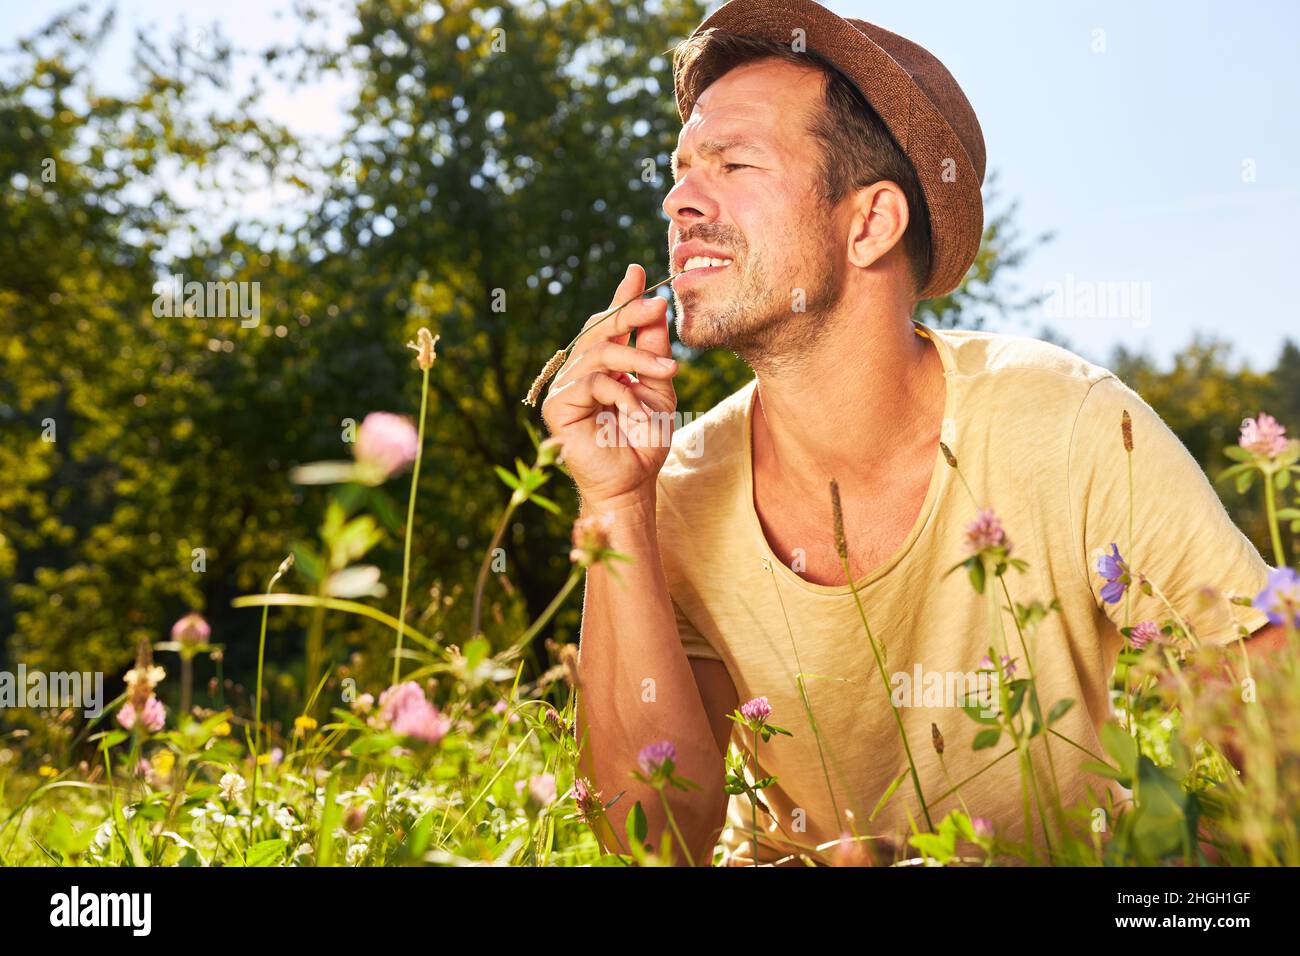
<point x="857" y="147"/>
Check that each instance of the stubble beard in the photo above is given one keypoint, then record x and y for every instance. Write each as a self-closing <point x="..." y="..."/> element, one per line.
<point x="760" y="322"/>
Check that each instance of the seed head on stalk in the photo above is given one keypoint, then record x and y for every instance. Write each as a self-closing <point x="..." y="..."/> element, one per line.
<point x="841" y="544"/>
<point x="547" y="373"/>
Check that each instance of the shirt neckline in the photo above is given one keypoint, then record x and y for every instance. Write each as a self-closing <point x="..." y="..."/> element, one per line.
<point x="938" y="483"/>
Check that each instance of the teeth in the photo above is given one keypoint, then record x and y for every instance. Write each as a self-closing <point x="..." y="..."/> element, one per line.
<point x="702" y="262"/>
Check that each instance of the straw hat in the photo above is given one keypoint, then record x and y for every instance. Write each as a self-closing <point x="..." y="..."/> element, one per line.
<point x="916" y="97"/>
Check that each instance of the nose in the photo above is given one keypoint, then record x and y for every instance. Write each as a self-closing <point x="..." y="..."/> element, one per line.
<point x="688" y="202"/>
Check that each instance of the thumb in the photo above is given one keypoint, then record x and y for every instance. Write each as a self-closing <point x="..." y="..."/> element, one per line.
<point x="631" y="286"/>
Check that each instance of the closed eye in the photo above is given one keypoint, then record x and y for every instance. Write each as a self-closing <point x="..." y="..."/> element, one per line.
<point x="731" y="166"/>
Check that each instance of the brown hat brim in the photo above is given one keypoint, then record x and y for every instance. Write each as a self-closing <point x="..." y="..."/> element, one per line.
<point x="950" y="177"/>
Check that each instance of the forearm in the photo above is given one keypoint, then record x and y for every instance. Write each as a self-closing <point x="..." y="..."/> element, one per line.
<point x="637" y="687"/>
<point x="1269" y="639"/>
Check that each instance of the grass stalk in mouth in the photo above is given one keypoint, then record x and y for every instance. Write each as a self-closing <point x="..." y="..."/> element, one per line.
<point x="559" y="358"/>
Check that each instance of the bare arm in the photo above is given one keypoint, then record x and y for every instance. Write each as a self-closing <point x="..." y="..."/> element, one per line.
<point x="638" y="687"/>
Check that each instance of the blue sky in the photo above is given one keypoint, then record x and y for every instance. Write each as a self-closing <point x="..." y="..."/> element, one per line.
<point x="1160" y="142"/>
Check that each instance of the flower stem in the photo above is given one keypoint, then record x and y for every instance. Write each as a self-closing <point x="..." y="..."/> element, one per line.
<point x="556" y="603"/>
<point x="1270" y="505"/>
<point x="753" y="802"/>
<point x="1128" y="597"/>
<point x="187" y="685"/>
<point x="410" y="523"/>
<point x="672" y="822"/>
<point x="1160" y="595"/>
<point x="880" y="666"/>
<point x="560" y="357"/>
<point x="285" y="565"/>
<point x="476" y="616"/>
<point x="807" y="705"/>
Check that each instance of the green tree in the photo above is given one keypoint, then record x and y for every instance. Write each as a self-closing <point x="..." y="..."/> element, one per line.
<point x="500" y="166"/>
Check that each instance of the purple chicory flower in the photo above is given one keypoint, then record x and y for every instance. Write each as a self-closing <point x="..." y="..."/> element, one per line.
<point x="386" y="443"/>
<point x="653" y="756"/>
<point x="1116" y="572"/>
<point x="1143" y="633"/>
<point x="1280" y="599"/>
<point x="985" y="532"/>
<point x="756" y="711"/>
<point x="1264" y="436"/>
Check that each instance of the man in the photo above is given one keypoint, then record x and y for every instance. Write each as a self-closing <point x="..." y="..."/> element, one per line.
<point x="820" y="191"/>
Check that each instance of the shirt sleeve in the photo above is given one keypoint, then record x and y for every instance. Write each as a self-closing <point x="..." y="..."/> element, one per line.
<point x="1183" y="539"/>
<point x="693" y="642"/>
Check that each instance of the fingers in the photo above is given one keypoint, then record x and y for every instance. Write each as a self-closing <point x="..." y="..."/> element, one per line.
<point x="636" y="314"/>
<point x="632" y="285"/>
<point x="653" y="338"/>
<point x="653" y="335"/>
<point x="615" y="358"/>
<point x="580" y="397"/>
<point x="600" y="367"/>
<point x="652" y="399"/>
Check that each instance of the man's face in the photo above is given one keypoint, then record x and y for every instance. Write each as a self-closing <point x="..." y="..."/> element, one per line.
<point x="754" y="201"/>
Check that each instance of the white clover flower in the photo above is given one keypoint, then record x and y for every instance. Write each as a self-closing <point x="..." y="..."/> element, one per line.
<point x="357" y="852"/>
<point x="285" y="820"/>
<point x="232" y="785"/>
<point x="103" y="836"/>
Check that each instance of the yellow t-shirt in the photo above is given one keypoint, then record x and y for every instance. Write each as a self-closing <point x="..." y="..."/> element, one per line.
<point x="1036" y="433"/>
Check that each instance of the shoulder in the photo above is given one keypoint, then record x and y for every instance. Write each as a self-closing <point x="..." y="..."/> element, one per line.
<point x="976" y="352"/>
<point x="705" y="461"/>
<point x="1020" y="375"/>
<point x="705" y="442"/>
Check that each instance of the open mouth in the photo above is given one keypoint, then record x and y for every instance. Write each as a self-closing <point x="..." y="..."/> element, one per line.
<point x="699" y="267"/>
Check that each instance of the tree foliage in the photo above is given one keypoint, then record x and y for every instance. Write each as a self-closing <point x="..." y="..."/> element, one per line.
<point x="500" y="166"/>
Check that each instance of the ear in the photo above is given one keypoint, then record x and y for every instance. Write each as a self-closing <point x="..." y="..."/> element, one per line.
<point x="880" y="218"/>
